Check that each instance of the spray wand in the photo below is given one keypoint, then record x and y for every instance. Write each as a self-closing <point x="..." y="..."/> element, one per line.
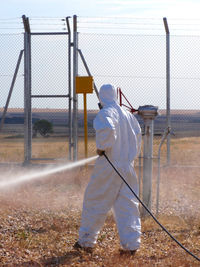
<point x="172" y="237"/>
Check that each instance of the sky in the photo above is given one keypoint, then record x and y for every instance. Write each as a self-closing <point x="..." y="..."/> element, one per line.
<point x="182" y="15"/>
<point x="125" y="8"/>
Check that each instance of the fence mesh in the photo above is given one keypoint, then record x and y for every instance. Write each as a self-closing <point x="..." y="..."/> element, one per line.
<point x="134" y="62"/>
<point x="49" y="63"/>
<point x="11" y="45"/>
<point x="137" y="64"/>
<point x="49" y="66"/>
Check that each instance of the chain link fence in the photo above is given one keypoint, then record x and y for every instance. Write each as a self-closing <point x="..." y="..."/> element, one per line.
<point x="134" y="62"/>
<point x="137" y="64"/>
<point x="49" y="69"/>
<point x="11" y="148"/>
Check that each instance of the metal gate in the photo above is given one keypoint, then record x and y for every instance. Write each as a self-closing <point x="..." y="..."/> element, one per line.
<point x="41" y="89"/>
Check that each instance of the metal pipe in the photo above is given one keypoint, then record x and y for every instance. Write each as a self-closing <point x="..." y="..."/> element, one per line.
<point x="85" y="125"/>
<point x="148" y="113"/>
<point x="168" y="116"/>
<point x="75" y="97"/>
<point x="166" y="133"/>
<point x="69" y="89"/>
<point x="49" y="96"/>
<point x="29" y="100"/>
<point x="88" y="71"/>
<point x="11" y="89"/>
<point x="25" y="99"/>
<point x="27" y="92"/>
<point x="49" y="33"/>
<point x="147" y="165"/>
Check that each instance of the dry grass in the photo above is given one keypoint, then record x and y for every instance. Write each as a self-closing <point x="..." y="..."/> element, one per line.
<point x="39" y="220"/>
<point x="12" y="149"/>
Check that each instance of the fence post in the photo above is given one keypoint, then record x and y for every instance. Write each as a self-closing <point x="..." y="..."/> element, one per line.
<point x="69" y="89"/>
<point x="168" y="120"/>
<point x="75" y="97"/>
<point x="27" y="92"/>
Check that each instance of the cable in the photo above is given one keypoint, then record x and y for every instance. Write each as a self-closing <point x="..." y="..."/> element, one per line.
<point x="118" y="18"/>
<point x="119" y="28"/>
<point x="119" y="23"/>
<point x="47" y="18"/>
<point x="172" y="237"/>
<point x="6" y="19"/>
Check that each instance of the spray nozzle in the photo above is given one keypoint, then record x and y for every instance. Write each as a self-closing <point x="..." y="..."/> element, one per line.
<point x="100" y="105"/>
<point x="100" y="152"/>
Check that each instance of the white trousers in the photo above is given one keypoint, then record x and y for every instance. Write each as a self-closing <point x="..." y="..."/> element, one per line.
<point x="106" y="190"/>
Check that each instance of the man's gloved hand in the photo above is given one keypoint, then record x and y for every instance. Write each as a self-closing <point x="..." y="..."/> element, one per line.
<point x="100" y="152"/>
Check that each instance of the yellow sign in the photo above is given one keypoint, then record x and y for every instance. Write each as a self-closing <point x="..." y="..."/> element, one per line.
<point x="84" y="84"/>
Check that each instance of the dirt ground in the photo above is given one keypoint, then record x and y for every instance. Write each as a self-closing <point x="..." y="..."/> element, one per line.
<point x="39" y="222"/>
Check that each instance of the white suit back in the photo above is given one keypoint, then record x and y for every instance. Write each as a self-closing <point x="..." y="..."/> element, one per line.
<point x="117" y="130"/>
<point x="118" y="134"/>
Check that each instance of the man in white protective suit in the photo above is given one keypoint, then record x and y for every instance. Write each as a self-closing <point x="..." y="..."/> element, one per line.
<point x="118" y="134"/>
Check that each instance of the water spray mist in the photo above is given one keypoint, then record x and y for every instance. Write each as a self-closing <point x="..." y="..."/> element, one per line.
<point x="37" y="175"/>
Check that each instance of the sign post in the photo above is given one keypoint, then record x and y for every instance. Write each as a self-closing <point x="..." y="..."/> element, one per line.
<point x="84" y="85"/>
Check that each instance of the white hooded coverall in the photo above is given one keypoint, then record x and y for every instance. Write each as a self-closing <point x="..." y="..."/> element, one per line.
<point x="118" y="134"/>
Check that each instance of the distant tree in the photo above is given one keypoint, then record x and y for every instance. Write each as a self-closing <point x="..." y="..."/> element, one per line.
<point x="44" y="127"/>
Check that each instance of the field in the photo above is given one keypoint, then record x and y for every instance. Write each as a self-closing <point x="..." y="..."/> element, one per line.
<point x="39" y="219"/>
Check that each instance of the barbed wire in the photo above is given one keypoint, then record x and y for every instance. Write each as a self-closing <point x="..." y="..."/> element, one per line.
<point x="119" y="28"/>
<point x="4" y="19"/>
<point x="104" y="24"/>
<point x="47" y="18"/>
<point x="128" y="24"/>
<point x="41" y="23"/>
<point x="139" y="18"/>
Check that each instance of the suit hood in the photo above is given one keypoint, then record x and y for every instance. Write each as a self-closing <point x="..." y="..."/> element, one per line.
<point x="107" y="94"/>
